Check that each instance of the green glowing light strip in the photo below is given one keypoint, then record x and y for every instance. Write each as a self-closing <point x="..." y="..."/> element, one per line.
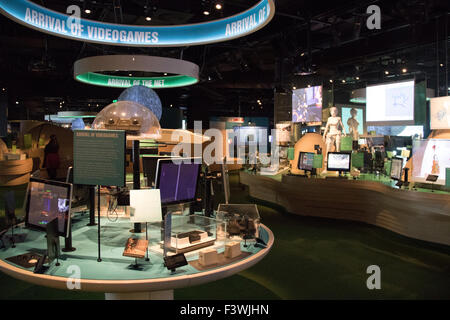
<point x="126" y="82"/>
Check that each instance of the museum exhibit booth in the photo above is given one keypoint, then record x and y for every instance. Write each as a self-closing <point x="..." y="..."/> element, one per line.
<point x="382" y="161"/>
<point x="145" y="220"/>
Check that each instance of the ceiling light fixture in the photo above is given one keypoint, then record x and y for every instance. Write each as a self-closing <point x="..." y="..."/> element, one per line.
<point x="206" y="13"/>
<point x="386" y="72"/>
<point x="404" y="70"/>
<point x="357" y="78"/>
<point x="148" y="18"/>
<point x="88" y="11"/>
<point x="218" y="6"/>
<point x="293" y="88"/>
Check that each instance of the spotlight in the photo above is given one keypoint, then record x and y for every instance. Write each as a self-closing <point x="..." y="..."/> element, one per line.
<point x="206" y="13"/>
<point x="331" y="81"/>
<point x="88" y="11"/>
<point x="3" y="89"/>
<point x="357" y="78"/>
<point x="343" y="81"/>
<point x="148" y="18"/>
<point x="130" y="74"/>
<point x="404" y="70"/>
<point x="218" y="6"/>
<point x="293" y="88"/>
<point x="441" y="64"/>
<point x="165" y="73"/>
<point x="17" y="102"/>
<point x="386" y="72"/>
<point x="309" y="86"/>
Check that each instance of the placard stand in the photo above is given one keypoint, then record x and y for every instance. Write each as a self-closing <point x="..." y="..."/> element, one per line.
<point x="98" y="222"/>
<point x="136" y="177"/>
<point x="92" y="206"/>
<point x="432" y="178"/>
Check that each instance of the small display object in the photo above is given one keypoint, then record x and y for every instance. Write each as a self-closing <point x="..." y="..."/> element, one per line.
<point x="307" y="104"/>
<point x="188" y="233"/>
<point x="145" y="205"/>
<point x="440" y="113"/>
<point x="396" y="169"/>
<point x="48" y="200"/>
<point x="175" y="261"/>
<point x="232" y="250"/>
<point x="242" y="221"/>
<point x="306" y="161"/>
<point x="338" y="161"/>
<point x="135" y="248"/>
<point x="177" y="179"/>
<point x="208" y="257"/>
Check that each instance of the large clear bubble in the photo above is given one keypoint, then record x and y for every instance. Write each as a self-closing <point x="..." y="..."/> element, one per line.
<point x="145" y="96"/>
<point x="138" y="121"/>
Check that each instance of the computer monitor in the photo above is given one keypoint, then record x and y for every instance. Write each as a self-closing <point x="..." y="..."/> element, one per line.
<point x="338" y="161"/>
<point x="305" y="161"/>
<point x="48" y="200"/>
<point x="177" y="179"/>
<point x="149" y="164"/>
<point x="396" y="168"/>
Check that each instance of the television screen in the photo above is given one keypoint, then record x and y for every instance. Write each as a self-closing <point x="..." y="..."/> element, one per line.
<point x="176" y="180"/>
<point x="430" y="157"/>
<point x="307" y="104"/>
<point x="305" y="161"/>
<point x="440" y="113"/>
<point x="396" y="169"/>
<point x="46" y="201"/>
<point x="390" y="104"/>
<point x="338" y="161"/>
<point x="346" y="115"/>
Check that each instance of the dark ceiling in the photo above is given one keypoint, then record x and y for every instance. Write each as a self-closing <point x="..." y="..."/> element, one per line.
<point x="329" y="38"/>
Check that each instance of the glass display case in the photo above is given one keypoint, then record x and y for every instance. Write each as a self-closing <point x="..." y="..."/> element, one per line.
<point x="240" y="221"/>
<point x="188" y="233"/>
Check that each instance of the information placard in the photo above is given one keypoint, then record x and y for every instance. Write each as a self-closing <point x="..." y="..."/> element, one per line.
<point x="346" y="143"/>
<point x="317" y="161"/>
<point x="99" y="157"/>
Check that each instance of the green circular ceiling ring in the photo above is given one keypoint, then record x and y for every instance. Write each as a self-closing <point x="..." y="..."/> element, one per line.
<point x="88" y="70"/>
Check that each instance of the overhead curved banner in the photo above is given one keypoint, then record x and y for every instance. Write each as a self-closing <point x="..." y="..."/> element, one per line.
<point x="89" y="70"/>
<point x="45" y="20"/>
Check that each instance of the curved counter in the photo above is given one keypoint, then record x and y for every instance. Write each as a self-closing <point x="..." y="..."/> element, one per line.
<point x="113" y="275"/>
<point x="419" y="215"/>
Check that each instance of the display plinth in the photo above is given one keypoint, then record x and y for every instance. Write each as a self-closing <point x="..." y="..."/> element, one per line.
<point x="152" y="295"/>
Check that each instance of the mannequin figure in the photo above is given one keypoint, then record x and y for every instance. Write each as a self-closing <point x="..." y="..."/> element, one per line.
<point x="333" y="132"/>
<point x="353" y="125"/>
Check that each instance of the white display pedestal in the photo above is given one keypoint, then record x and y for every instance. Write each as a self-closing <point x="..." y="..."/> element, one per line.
<point x="152" y="295"/>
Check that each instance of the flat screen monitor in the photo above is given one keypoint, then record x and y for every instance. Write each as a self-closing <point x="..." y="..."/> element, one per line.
<point x="390" y="104"/>
<point x="48" y="200"/>
<point x="396" y="168"/>
<point x="440" y="113"/>
<point x="307" y="104"/>
<point x="177" y="179"/>
<point x="149" y="164"/>
<point x="305" y="161"/>
<point x="338" y="161"/>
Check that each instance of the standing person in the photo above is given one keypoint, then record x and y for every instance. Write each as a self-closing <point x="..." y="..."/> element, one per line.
<point x="51" y="157"/>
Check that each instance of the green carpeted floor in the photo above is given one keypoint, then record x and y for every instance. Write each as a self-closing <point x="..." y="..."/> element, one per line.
<point x="311" y="259"/>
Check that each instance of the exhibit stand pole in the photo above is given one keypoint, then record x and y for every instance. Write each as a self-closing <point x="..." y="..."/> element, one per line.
<point x="68" y="241"/>
<point x="146" y="238"/>
<point x="98" y="222"/>
<point x="136" y="176"/>
<point x="92" y="206"/>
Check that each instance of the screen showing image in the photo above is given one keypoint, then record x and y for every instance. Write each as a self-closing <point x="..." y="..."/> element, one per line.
<point x="47" y="201"/>
<point x="307" y="104"/>
<point x="430" y="157"/>
<point x="346" y="115"/>
<point x="338" y="161"/>
<point x="391" y="103"/>
<point x="177" y="182"/>
<point x="396" y="169"/>
<point x="440" y="113"/>
<point x="305" y="161"/>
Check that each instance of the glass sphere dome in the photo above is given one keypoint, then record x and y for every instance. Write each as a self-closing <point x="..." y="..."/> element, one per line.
<point x="138" y="121"/>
